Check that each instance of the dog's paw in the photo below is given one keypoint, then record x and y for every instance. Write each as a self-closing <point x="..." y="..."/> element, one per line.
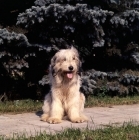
<point x="79" y="120"/>
<point x="54" y="120"/>
<point x="44" y="117"/>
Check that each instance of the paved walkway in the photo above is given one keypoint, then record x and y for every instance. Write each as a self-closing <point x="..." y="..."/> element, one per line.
<point x="99" y="116"/>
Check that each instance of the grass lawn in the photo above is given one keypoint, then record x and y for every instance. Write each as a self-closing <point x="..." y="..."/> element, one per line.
<point x="128" y="131"/>
<point x="109" y="101"/>
<point x="21" y="106"/>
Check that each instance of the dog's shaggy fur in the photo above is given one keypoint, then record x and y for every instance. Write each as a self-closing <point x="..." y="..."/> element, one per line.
<point x="65" y="99"/>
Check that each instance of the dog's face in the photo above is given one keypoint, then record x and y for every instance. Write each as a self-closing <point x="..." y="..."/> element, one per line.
<point x="65" y="62"/>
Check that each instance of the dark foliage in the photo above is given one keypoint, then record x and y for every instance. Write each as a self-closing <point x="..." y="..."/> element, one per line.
<point x="22" y="65"/>
<point x="105" y="33"/>
<point x="9" y="9"/>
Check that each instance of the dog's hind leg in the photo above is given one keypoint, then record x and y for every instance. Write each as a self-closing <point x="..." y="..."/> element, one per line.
<point x="44" y="117"/>
<point x="46" y="108"/>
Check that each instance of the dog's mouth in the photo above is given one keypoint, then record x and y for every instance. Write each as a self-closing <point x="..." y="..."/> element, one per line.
<point x="69" y="74"/>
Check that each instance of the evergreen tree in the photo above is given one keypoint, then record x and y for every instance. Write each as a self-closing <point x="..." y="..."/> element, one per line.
<point x="105" y="32"/>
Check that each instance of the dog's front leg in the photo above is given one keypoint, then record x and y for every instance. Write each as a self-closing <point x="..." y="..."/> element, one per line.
<point x="74" y="114"/>
<point x="56" y="112"/>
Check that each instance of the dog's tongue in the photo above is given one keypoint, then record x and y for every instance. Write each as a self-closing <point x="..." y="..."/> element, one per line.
<point x="69" y="75"/>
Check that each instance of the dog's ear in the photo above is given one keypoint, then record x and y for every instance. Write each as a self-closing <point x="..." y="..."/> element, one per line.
<point x="79" y="62"/>
<point x="53" y="60"/>
<point x="52" y="65"/>
<point x="75" y="51"/>
<point x="80" y="68"/>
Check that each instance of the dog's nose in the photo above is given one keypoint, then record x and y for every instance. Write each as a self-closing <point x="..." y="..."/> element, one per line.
<point x="70" y="67"/>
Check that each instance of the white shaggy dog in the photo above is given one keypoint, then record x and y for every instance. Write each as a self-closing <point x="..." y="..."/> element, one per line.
<point x="65" y="99"/>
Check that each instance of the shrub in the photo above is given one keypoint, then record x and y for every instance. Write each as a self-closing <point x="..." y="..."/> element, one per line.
<point x="104" y="32"/>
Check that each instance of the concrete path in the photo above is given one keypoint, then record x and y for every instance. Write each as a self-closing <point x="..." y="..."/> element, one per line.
<point x="99" y="116"/>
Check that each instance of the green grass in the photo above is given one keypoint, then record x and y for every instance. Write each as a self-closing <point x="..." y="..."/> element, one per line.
<point x="128" y="131"/>
<point x="109" y="101"/>
<point x="22" y="106"/>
